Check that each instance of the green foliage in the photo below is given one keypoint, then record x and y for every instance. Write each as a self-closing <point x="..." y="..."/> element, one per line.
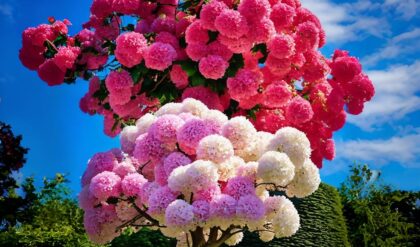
<point x="144" y="238"/>
<point x="377" y="215"/>
<point x="321" y="219"/>
<point x="53" y="219"/>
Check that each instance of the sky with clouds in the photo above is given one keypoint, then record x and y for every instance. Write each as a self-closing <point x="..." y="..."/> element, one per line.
<point x="384" y="34"/>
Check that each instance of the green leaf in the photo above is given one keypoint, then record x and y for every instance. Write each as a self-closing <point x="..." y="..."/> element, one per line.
<point x="197" y="80"/>
<point x="190" y="67"/>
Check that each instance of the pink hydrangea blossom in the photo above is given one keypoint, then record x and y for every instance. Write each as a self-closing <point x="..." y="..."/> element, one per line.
<point x="66" y="57"/>
<point x="160" y="56"/>
<point x="132" y="184"/>
<point x="196" y="33"/>
<point x="179" y="77"/>
<point x="223" y="206"/>
<point x="51" y="73"/>
<point x="299" y="111"/>
<point x="244" y="84"/>
<point x="231" y="23"/>
<point x="105" y="184"/>
<point x="175" y="160"/>
<point x="130" y="48"/>
<point x="213" y="67"/>
<point x="239" y="186"/>
<point x="210" y="12"/>
<point x="281" y="46"/>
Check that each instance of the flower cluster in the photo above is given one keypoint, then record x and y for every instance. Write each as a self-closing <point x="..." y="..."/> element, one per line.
<point x="253" y="58"/>
<point x="188" y="168"/>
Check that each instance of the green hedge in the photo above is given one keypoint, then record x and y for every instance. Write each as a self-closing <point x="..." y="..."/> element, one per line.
<point x="322" y="222"/>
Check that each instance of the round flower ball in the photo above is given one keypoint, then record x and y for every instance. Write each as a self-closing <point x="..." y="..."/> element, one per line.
<point x="239" y="131"/>
<point x="286" y="222"/>
<point x="130" y="48"/>
<point x="215" y="148"/>
<point x="104" y="185"/>
<point x="276" y="168"/>
<point x="160" y="56"/>
<point x="231" y="23"/>
<point x="179" y="214"/>
<point x="305" y="182"/>
<point x="299" y="111"/>
<point x="213" y="67"/>
<point x="293" y="142"/>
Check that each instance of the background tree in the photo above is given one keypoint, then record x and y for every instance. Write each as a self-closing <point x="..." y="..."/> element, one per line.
<point x="13" y="206"/>
<point x="376" y="214"/>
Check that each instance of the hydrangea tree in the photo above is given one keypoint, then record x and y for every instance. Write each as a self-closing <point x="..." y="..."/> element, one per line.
<point x="257" y="107"/>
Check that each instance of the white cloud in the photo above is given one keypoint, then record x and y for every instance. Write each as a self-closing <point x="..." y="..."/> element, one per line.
<point x="403" y="150"/>
<point x="406" y="8"/>
<point x="401" y="44"/>
<point x="396" y="96"/>
<point x="344" y="22"/>
<point x="6" y="10"/>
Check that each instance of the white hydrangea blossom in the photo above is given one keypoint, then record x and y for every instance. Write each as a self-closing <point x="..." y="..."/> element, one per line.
<point x="195" y="107"/>
<point x="293" y="142"/>
<point x="216" y="117"/>
<point x="215" y="148"/>
<point x="169" y="108"/>
<point x="275" y="167"/>
<point x="239" y="131"/>
<point x="179" y="214"/>
<point x="227" y="169"/>
<point x="193" y="177"/>
<point x="144" y="123"/>
<point x="202" y="175"/>
<point x="177" y="180"/>
<point x="305" y="182"/>
<point x="247" y="170"/>
<point x="286" y="222"/>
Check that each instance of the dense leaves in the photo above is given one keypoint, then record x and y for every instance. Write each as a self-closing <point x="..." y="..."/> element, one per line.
<point x="376" y="214"/>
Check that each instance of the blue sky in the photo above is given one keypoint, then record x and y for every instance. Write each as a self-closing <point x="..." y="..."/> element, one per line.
<point x="384" y="34"/>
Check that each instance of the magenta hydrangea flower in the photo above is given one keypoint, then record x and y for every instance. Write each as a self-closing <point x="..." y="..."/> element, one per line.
<point x="282" y="16"/>
<point x="299" y="110"/>
<point x="196" y="51"/>
<point x="210" y="12"/>
<point x="105" y="184"/>
<point x="160" y="56"/>
<point x="213" y="67"/>
<point x="281" y="46"/>
<point x="277" y="94"/>
<point x="196" y="33"/>
<point x="178" y="76"/>
<point x="254" y="9"/>
<point x="132" y="184"/>
<point x="245" y="84"/>
<point x="219" y="49"/>
<point x="130" y="48"/>
<point x="51" y="73"/>
<point x="66" y="57"/>
<point x="231" y="23"/>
